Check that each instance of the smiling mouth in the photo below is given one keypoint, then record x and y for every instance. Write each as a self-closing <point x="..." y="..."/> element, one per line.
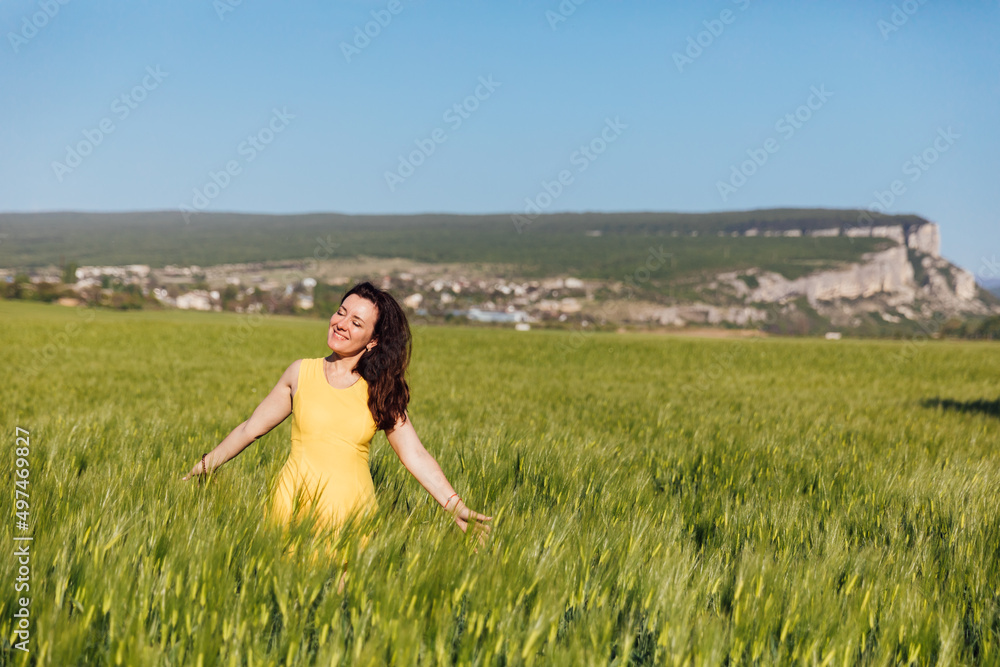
<point x="339" y="336"/>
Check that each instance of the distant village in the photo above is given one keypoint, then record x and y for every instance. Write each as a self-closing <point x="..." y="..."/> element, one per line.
<point x="249" y="288"/>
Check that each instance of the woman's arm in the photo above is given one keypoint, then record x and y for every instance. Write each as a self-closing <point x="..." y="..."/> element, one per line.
<point x="423" y="466"/>
<point x="273" y="410"/>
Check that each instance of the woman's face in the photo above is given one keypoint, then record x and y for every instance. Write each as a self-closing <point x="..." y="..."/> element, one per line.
<point x="352" y="326"/>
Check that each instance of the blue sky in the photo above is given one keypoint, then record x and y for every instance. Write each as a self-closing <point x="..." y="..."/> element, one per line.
<point x="692" y="92"/>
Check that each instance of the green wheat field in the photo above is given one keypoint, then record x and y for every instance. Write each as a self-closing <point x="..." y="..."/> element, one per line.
<point x="657" y="500"/>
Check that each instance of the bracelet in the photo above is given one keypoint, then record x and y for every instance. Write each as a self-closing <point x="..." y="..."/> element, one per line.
<point x="449" y="499"/>
<point x="204" y="468"/>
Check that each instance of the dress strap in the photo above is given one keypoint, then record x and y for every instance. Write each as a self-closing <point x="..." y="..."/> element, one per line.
<point x="307" y="373"/>
<point x="316" y="370"/>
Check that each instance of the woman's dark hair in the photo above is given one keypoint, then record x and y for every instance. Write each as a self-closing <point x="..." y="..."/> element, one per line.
<point x="384" y="366"/>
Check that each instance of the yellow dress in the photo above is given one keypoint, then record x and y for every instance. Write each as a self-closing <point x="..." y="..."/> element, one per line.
<point x="327" y="469"/>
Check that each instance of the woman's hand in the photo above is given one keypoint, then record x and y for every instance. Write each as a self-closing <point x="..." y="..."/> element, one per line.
<point x="462" y="515"/>
<point x="196" y="471"/>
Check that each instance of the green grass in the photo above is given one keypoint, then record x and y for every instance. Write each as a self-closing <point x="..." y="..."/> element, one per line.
<point x="657" y="500"/>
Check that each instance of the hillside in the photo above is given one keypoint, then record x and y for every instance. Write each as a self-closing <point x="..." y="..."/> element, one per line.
<point x="595" y="245"/>
<point x="793" y="271"/>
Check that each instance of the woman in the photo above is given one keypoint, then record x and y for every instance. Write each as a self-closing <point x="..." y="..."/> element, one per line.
<point x="337" y="404"/>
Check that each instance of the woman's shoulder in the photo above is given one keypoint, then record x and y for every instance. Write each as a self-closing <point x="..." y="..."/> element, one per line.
<point x="301" y="367"/>
<point x="298" y="364"/>
<point x="290" y="378"/>
<point x="309" y="365"/>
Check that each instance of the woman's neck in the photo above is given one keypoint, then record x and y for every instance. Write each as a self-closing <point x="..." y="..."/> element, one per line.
<point x="342" y="366"/>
